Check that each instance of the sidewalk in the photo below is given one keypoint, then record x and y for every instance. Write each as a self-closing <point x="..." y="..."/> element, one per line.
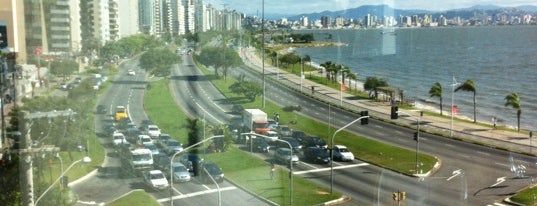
<point x="486" y="135"/>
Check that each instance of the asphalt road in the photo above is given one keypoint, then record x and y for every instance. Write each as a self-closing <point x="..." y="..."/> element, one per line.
<point x="111" y="181"/>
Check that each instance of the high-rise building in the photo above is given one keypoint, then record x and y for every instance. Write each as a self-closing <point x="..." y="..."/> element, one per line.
<point x="128" y="18"/>
<point x="12" y="20"/>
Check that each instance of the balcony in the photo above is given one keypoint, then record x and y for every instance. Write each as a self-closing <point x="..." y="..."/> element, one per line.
<point x="60" y="37"/>
<point x="59" y="20"/>
<point x="57" y="11"/>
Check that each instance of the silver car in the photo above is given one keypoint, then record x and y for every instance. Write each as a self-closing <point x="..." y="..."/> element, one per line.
<point x="283" y="155"/>
<point x="180" y="172"/>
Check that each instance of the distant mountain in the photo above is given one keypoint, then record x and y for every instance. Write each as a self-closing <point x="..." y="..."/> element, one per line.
<point x="385" y="10"/>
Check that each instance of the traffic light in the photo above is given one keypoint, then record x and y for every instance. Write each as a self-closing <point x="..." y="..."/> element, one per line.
<point x="365" y="119"/>
<point x="416" y="138"/>
<point x="403" y="195"/>
<point x="394" y="112"/>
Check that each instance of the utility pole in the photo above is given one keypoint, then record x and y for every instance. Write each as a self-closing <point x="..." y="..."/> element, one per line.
<point x="27" y="183"/>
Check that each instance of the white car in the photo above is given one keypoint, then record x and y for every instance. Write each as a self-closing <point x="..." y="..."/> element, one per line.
<point x="153" y="130"/>
<point x="131" y="72"/>
<point x="342" y="153"/>
<point x="156" y="179"/>
<point x="271" y="136"/>
<point x="118" y="138"/>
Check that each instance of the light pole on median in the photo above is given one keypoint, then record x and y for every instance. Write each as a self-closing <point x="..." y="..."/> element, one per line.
<point x="84" y="160"/>
<point x="179" y="152"/>
<point x="332" y="152"/>
<point x="417" y="136"/>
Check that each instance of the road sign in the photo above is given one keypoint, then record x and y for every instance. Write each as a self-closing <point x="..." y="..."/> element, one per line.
<point x="38" y="51"/>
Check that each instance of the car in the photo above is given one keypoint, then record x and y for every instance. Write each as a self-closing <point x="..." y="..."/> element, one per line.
<point x="162" y="139"/>
<point x="118" y="138"/>
<point x="271" y="136"/>
<point x="172" y="146"/>
<point x="101" y="109"/>
<point x="284" y="131"/>
<point x="62" y="86"/>
<point x="152" y="147"/>
<point x="78" y="80"/>
<point x="208" y="171"/>
<point x="145" y="123"/>
<point x="237" y="109"/>
<point x="315" y="141"/>
<point x="131" y="72"/>
<point x="316" y="155"/>
<point x="152" y="130"/>
<point x="191" y="161"/>
<point x="257" y="145"/>
<point x="161" y="161"/>
<point x="132" y="134"/>
<point x="272" y="124"/>
<point x="342" y="153"/>
<point x="142" y="139"/>
<point x="299" y="135"/>
<point x="284" y="156"/>
<point x="155" y="179"/>
<point x="180" y="172"/>
<point x="297" y="147"/>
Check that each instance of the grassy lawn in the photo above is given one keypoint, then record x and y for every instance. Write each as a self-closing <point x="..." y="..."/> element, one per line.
<point x="526" y="197"/>
<point x="135" y="198"/>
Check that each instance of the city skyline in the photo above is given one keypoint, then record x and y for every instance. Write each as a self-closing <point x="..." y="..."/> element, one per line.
<point x="313" y="6"/>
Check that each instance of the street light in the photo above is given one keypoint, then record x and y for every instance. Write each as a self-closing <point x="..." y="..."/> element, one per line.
<point x="217" y="187"/>
<point x="417" y="136"/>
<point x="332" y="152"/>
<point x="455" y="83"/>
<point x="84" y="160"/>
<point x="179" y="152"/>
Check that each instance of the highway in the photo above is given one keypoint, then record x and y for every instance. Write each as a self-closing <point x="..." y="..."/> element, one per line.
<point x="470" y="174"/>
<point x="111" y="181"/>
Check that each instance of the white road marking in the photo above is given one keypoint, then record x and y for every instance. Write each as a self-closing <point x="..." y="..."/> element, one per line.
<point x="196" y="194"/>
<point x="498" y="181"/>
<point x="328" y="168"/>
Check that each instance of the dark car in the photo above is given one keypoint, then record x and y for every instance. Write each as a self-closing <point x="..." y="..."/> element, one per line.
<point x="237" y="109"/>
<point x="297" y="147"/>
<point x="300" y="136"/>
<point x="161" y="161"/>
<point x="210" y="169"/>
<point x="314" y="141"/>
<point x="316" y="155"/>
<point x="258" y="145"/>
<point x="146" y="122"/>
<point x="191" y="162"/>
<point x="101" y="109"/>
<point x="162" y="139"/>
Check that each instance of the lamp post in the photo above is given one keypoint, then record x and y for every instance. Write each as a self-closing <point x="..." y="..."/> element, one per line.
<point x="452" y="95"/>
<point x="85" y="160"/>
<point x="417" y="136"/>
<point x="263" y="49"/>
<point x="179" y="152"/>
<point x="217" y="187"/>
<point x="332" y="153"/>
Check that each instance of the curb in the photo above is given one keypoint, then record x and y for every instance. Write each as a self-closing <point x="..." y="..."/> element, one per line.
<point x="82" y="179"/>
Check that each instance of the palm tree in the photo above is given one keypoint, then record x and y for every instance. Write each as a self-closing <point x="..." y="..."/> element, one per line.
<point x="513" y="100"/>
<point x="352" y="76"/>
<point x="328" y="69"/>
<point x="469" y="86"/>
<point x="344" y="71"/>
<point x="436" y="91"/>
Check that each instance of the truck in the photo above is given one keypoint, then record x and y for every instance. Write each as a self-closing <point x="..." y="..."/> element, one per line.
<point x="137" y="159"/>
<point x="120" y="113"/>
<point x="255" y="120"/>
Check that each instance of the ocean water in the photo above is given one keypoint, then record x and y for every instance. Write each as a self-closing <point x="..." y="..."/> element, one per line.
<point x="499" y="59"/>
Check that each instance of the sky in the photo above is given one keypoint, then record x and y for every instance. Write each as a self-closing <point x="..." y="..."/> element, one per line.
<point x="253" y="7"/>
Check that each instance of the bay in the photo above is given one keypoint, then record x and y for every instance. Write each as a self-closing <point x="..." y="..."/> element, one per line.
<point x="499" y="59"/>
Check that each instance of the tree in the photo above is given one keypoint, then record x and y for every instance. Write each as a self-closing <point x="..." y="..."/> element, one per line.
<point x="249" y="89"/>
<point x="513" y="100"/>
<point x="328" y="66"/>
<point x="344" y="71"/>
<point x="372" y="83"/>
<point x="219" y="57"/>
<point x="436" y="91"/>
<point x="469" y="86"/>
<point x="158" y="61"/>
<point x="352" y="76"/>
<point x="193" y="131"/>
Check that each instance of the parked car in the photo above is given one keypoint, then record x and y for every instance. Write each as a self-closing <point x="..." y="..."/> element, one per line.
<point x="180" y="172"/>
<point x="284" y="131"/>
<point x="78" y="80"/>
<point x="210" y="169"/>
<point x="316" y="155"/>
<point x="284" y="155"/>
<point x="62" y="86"/>
<point x="315" y="141"/>
<point x="131" y="72"/>
<point x="155" y="179"/>
<point x="342" y="153"/>
<point x="172" y="146"/>
<point x="257" y="145"/>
